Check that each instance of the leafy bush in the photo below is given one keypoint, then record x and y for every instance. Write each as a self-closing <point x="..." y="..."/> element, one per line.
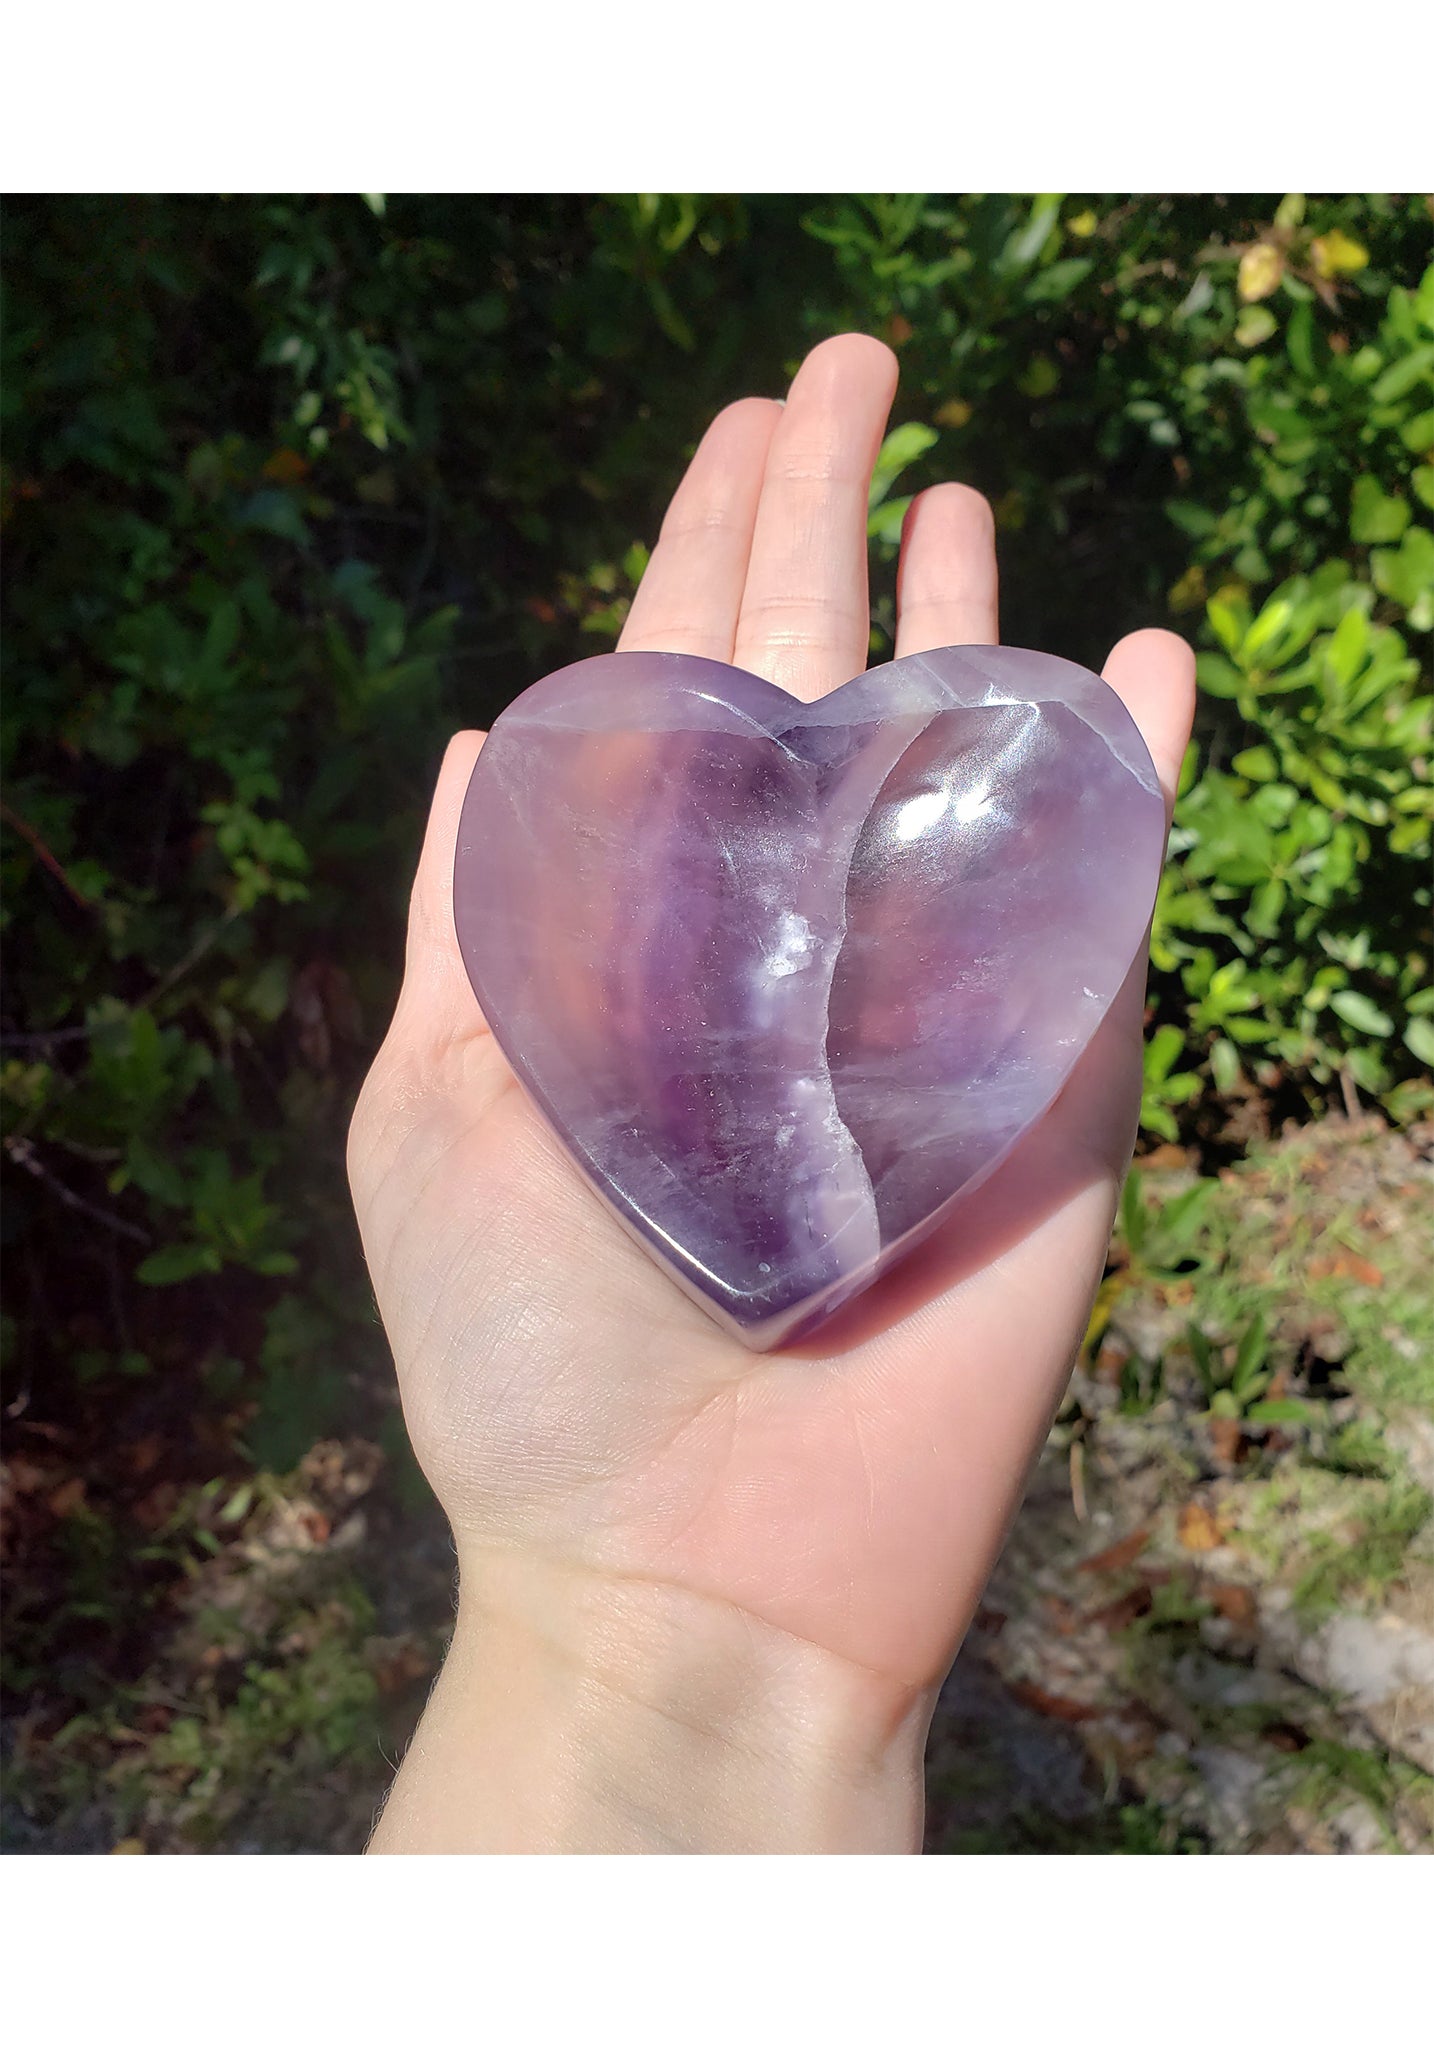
<point x="1298" y="914"/>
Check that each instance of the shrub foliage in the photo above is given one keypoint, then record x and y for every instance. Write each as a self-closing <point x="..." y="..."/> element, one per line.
<point x="294" y="487"/>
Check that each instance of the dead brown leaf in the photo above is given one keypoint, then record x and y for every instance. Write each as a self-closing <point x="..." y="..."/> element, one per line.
<point x="1130" y="1607"/>
<point x="153" y="1509"/>
<point x="1198" y="1529"/>
<point x="1109" y="1363"/>
<point x="1285" y="1736"/>
<point x="27" y="1477"/>
<point x="1053" y="1704"/>
<point x="403" y="1663"/>
<point x="286" y="466"/>
<point x="1165" y="1158"/>
<point x="1225" y="1437"/>
<point x="1235" y="1603"/>
<point x="1346" y="1265"/>
<point x="67" y="1499"/>
<point x="324" y="1006"/>
<point x="1119" y="1555"/>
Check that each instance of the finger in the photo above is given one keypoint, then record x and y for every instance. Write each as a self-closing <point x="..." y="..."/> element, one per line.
<point x="946" y="577"/>
<point x="805" y="619"/>
<point x="1153" y="674"/>
<point x="688" y="599"/>
<point x="437" y="1000"/>
<point x="437" y="1012"/>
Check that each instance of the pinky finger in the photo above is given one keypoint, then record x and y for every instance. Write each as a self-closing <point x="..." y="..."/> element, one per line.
<point x="1153" y="674"/>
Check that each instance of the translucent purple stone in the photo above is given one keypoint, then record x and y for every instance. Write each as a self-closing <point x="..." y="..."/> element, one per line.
<point x="789" y="980"/>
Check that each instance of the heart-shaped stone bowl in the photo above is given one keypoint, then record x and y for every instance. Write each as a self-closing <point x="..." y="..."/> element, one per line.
<point x="788" y="980"/>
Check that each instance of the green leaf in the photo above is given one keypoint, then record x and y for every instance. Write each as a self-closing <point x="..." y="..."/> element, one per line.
<point x="1270" y="623"/>
<point x="1374" y="515"/>
<point x="1059" y="280"/>
<point x="885" y="521"/>
<point x="1347" y="645"/>
<point x="1402" y="376"/>
<point x="1181" y="1219"/>
<point x="1255" y="324"/>
<point x="1359" y="1011"/>
<point x="175" y="1262"/>
<point x="1025" y="244"/>
<point x="1163" y="1051"/>
<point x="1405" y="574"/>
<point x="1039" y="378"/>
<point x="1299" y="341"/>
<point x="1257" y="764"/>
<point x="273" y="1263"/>
<point x="1204" y="1359"/>
<point x="902" y="446"/>
<point x="237" y="1506"/>
<point x="1419" y="1037"/>
<point x="1226" y="626"/>
<point x="1251" y="1354"/>
<point x="1281" y="1411"/>
<point x="1252" y="1346"/>
<point x="1225" y="1066"/>
<point x="1218" y="677"/>
<point x="157" y="1173"/>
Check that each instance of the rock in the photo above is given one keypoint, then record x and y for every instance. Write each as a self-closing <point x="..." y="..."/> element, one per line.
<point x="1368" y="1657"/>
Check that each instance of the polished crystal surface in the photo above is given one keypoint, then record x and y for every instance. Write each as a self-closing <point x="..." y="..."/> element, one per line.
<point x="789" y="980"/>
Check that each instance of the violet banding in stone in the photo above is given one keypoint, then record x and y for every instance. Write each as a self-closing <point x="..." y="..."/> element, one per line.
<point x="790" y="980"/>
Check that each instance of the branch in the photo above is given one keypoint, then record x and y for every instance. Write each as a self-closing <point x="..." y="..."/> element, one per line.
<point x="42" y="853"/>
<point x="23" y="1153"/>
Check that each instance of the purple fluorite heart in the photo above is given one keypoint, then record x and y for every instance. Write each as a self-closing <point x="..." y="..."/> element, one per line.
<point x="788" y="980"/>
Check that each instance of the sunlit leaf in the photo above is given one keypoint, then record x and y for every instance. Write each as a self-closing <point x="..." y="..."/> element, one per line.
<point x="1255" y="324"/>
<point x="1261" y="269"/>
<point x="1336" y="254"/>
<point x="902" y="446"/>
<point x="1361" y="1012"/>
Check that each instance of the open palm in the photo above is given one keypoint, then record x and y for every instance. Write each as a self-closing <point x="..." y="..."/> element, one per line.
<point x="568" y="1403"/>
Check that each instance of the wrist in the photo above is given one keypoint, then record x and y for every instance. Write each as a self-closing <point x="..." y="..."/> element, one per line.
<point x="578" y="1713"/>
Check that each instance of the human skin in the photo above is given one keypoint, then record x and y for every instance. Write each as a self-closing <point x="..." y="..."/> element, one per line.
<point x="707" y="1598"/>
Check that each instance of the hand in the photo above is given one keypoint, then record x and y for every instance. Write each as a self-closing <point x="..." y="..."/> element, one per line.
<point x="707" y="1598"/>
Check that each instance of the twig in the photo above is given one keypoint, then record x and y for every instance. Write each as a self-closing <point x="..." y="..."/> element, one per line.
<point x="191" y="959"/>
<point x="65" y="1036"/>
<point x="42" y="853"/>
<point x="1077" y="1465"/>
<point x="1353" y="1108"/>
<point x="23" y="1154"/>
<point x="72" y="1032"/>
